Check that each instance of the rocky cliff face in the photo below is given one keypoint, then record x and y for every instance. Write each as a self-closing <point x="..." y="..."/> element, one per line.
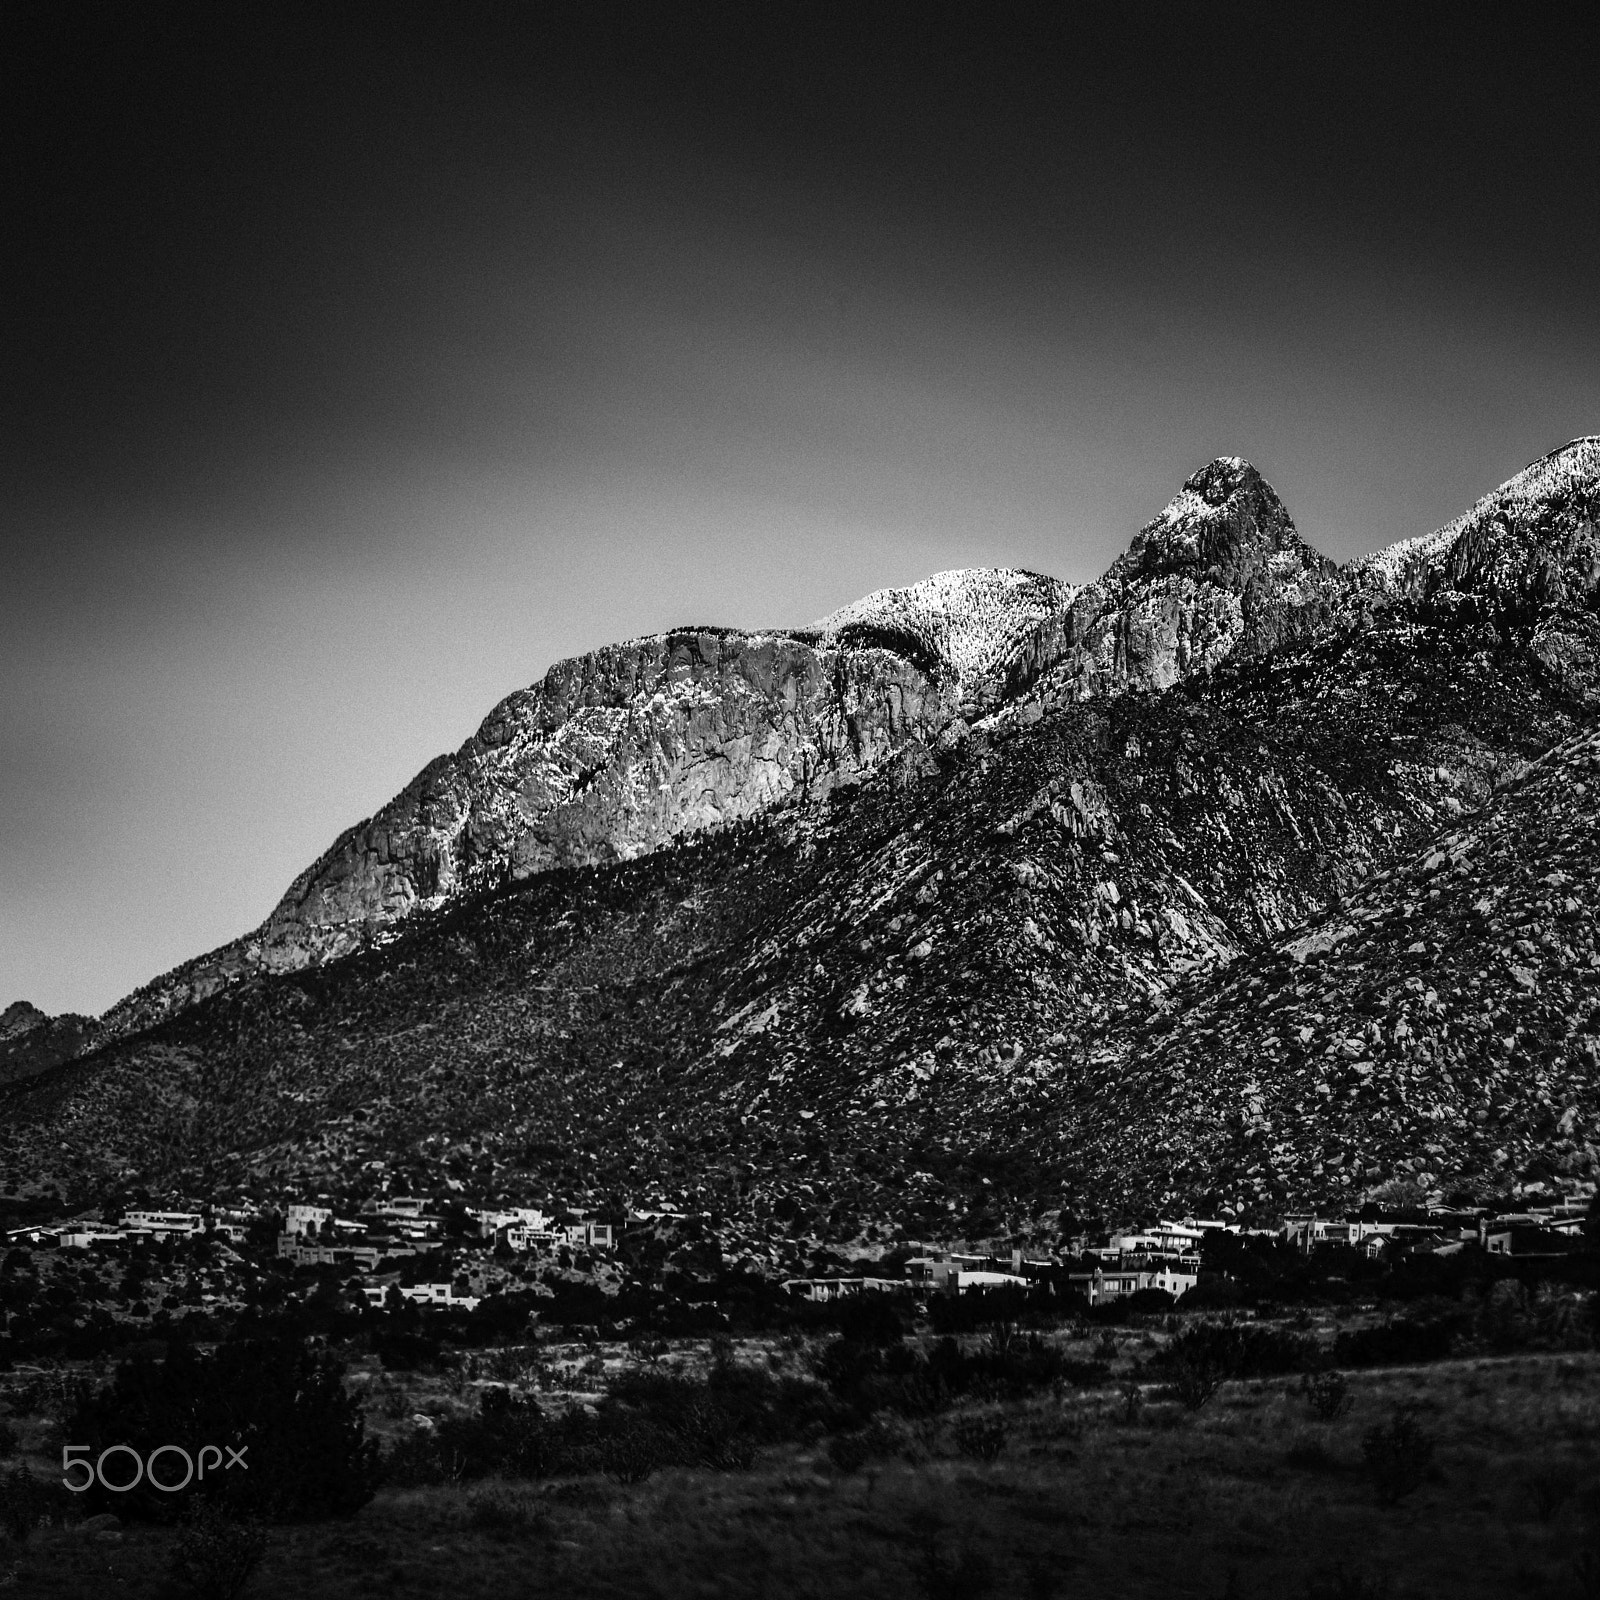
<point x="31" y="1040"/>
<point x="1221" y="572"/>
<point x="1526" y="556"/>
<point x="643" y="744"/>
<point x="1113" y="947"/>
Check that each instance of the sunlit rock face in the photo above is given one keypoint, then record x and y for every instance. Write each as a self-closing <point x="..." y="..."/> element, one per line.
<point x="614" y="754"/>
<point x="1525" y="558"/>
<point x="1221" y="572"/>
<point x="644" y="744"/>
<point x="1533" y="541"/>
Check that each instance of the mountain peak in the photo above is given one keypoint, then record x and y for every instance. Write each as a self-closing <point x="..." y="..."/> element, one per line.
<point x="1224" y="524"/>
<point x="20" y="1017"/>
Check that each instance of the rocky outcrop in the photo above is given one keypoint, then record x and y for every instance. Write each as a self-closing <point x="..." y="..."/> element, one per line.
<point x="967" y="626"/>
<point x="1221" y="572"/>
<point x="1534" y="541"/>
<point x="612" y="755"/>
<point x="1525" y="557"/>
<point x="31" y="1040"/>
<point x="639" y="745"/>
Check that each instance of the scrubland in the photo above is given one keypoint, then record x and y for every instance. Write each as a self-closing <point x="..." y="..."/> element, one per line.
<point x="1116" y="1490"/>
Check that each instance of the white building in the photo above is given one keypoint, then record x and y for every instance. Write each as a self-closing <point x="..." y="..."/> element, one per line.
<point x="439" y="1294"/>
<point x="307" y="1219"/>
<point x="164" y="1224"/>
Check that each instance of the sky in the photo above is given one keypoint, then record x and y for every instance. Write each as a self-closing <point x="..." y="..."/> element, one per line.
<point x="361" y="363"/>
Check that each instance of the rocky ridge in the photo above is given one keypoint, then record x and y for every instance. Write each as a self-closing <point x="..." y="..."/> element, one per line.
<point x="963" y="979"/>
<point x="623" y="750"/>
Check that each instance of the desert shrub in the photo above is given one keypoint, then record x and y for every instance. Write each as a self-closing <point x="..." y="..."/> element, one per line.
<point x="1397" y="1455"/>
<point x="1327" y="1393"/>
<point x="1196" y="1379"/>
<point x="27" y="1503"/>
<point x="1132" y="1392"/>
<point x="849" y="1452"/>
<point x="281" y="1401"/>
<point x="414" y="1459"/>
<point x="710" y="1435"/>
<point x="508" y="1435"/>
<point x="1149" y="1301"/>
<point x="1399" y="1342"/>
<point x="981" y="1437"/>
<point x="401" y="1350"/>
<point x="1085" y="1374"/>
<point x="1241" y="1349"/>
<point x="633" y="1451"/>
<point x="1586" y="1570"/>
<point x="504" y="1512"/>
<point x="719" y="1420"/>
<point x="214" y="1553"/>
<point x="871" y="1319"/>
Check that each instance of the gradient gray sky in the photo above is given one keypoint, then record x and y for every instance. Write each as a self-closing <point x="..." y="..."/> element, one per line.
<point x="356" y="375"/>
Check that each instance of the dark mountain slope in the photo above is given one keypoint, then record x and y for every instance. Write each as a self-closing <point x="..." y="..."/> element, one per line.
<point x="30" y="1040"/>
<point x="839" y="1011"/>
<point x="1444" y="1021"/>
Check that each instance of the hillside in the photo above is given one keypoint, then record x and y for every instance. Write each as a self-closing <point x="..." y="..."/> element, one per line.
<point x="621" y="751"/>
<point x="1050" y="956"/>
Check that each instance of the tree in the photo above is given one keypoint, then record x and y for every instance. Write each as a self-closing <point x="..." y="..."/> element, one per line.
<point x="280" y="1402"/>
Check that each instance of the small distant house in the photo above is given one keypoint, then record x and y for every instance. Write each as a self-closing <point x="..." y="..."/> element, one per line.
<point x="165" y="1224"/>
<point x="307" y="1220"/>
<point x="439" y="1294"/>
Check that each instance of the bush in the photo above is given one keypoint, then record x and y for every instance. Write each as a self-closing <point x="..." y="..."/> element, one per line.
<point x="1400" y="1342"/>
<point x="1132" y="1392"/>
<point x="634" y="1451"/>
<point x="214" y="1555"/>
<point x="400" y="1350"/>
<point x="27" y="1502"/>
<point x="1397" y="1456"/>
<point x="500" y="1511"/>
<point x="281" y="1401"/>
<point x="1241" y="1349"/>
<point x="1343" y="1584"/>
<point x="1196" y="1379"/>
<point x="981" y="1437"/>
<point x="1328" y="1394"/>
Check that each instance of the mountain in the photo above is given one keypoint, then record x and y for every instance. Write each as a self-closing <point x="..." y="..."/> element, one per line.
<point x="621" y="751"/>
<point x="30" y="1040"/>
<point x="1114" y="914"/>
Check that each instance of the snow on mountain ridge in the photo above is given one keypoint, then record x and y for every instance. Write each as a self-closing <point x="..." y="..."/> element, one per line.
<point x="973" y="618"/>
<point x="1429" y="560"/>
